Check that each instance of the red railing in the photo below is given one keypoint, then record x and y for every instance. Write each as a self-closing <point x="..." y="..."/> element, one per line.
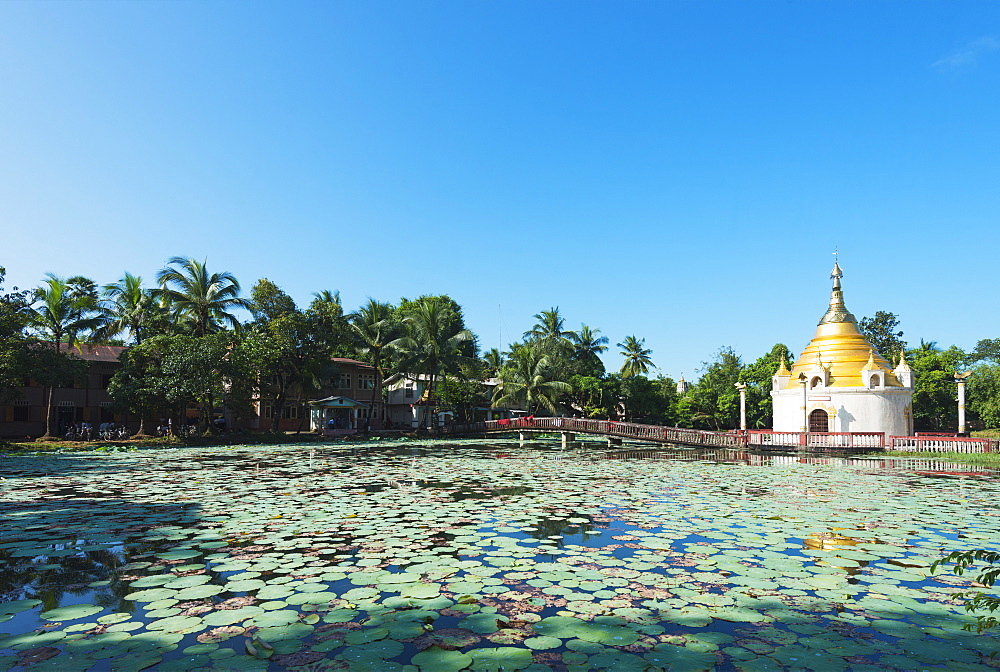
<point x="942" y="444"/>
<point x="754" y="438"/>
<point x="768" y="437"/>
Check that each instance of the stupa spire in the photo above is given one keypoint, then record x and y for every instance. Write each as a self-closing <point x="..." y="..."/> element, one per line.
<point x="837" y="312"/>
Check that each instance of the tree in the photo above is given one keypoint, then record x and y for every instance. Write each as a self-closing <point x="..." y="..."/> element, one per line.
<point x="984" y="395"/>
<point x="330" y="325"/>
<point x="934" y="406"/>
<point x="375" y="326"/>
<point x="432" y="344"/>
<point x="976" y="600"/>
<point x="200" y="300"/>
<point x="268" y="302"/>
<point x="882" y="334"/>
<point x="14" y="319"/>
<point x="525" y="382"/>
<point x="587" y="348"/>
<point x="713" y="402"/>
<point x="126" y="307"/>
<point x="758" y="377"/>
<point x="548" y="331"/>
<point x="285" y="348"/>
<point x="194" y="371"/>
<point x="494" y="360"/>
<point x="67" y="309"/>
<point x="637" y="360"/>
<point x="138" y="387"/>
<point x="986" y="349"/>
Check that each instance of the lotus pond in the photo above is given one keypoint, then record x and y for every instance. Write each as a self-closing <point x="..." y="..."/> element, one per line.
<point x="486" y="555"/>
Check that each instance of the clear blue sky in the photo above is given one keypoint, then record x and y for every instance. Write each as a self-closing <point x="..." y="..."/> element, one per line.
<point x="677" y="170"/>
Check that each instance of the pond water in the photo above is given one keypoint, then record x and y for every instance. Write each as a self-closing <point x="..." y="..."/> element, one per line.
<point x="486" y="555"/>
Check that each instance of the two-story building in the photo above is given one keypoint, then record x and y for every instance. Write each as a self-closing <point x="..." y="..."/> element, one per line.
<point x="354" y="380"/>
<point x="85" y="400"/>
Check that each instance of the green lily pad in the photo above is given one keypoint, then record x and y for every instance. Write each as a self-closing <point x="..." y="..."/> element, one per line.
<point x="70" y="612"/>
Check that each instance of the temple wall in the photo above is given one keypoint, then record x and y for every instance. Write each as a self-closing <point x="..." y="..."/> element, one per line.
<point x="849" y="410"/>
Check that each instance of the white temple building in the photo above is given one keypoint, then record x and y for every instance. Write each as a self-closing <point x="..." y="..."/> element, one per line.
<point x="840" y="383"/>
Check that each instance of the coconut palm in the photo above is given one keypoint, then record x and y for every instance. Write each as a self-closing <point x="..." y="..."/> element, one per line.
<point x="67" y="309"/>
<point x="636" y="356"/>
<point x="587" y="344"/>
<point x="525" y="382"/>
<point x="494" y="360"/>
<point x="198" y="298"/>
<point x="432" y="346"/>
<point x="376" y="327"/>
<point x="128" y="307"/>
<point x="549" y="329"/>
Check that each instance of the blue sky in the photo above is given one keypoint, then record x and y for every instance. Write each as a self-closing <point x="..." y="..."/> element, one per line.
<point x="677" y="170"/>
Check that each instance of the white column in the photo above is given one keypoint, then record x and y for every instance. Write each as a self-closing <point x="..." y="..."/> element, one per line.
<point x="742" y="387"/>
<point x="961" y="404"/>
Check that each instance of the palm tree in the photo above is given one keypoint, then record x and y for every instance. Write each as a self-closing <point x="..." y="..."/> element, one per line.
<point x="128" y="307"/>
<point x="67" y="309"/>
<point x="494" y="360"/>
<point x="201" y="299"/>
<point x="636" y="357"/>
<point x="525" y="382"/>
<point x="376" y="327"/>
<point x="549" y="329"/>
<point x="587" y="344"/>
<point x="431" y="346"/>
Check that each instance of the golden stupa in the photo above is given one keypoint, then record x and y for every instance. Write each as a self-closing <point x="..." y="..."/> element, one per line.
<point x="839" y="347"/>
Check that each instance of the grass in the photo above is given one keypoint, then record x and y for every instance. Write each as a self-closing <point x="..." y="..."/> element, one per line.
<point x="243" y="439"/>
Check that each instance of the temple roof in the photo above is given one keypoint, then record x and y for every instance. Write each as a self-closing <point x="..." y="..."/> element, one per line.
<point x="840" y="348"/>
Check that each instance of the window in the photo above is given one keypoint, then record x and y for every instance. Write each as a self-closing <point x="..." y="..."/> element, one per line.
<point x="344" y="381"/>
<point x="873" y="383"/>
<point x="105" y="380"/>
<point x="293" y="411"/>
<point x="816" y="382"/>
<point x="22" y="413"/>
<point x="408" y="392"/>
<point x="366" y="381"/>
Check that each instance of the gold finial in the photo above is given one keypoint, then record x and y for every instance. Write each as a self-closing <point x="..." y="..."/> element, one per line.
<point x="837" y="312"/>
<point x="871" y="366"/>
<point x="783" y="369"/>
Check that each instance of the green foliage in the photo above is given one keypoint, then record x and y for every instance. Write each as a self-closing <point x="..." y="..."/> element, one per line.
<point x="595" y="397"/>
<point x="268" y="302"/>
<point x="881" y="331"/>
<point x="526" y="382"/>
<point x="757" y="376"/>
<point x="637" y="360"/>
<point x="934" y="407"/>
<point x="983" y="395"/>
<point x="714" y="402"/>
<point x="14" y="318"/>
<point x="201" y="301"/>
<point x="465" y="391"/>
<point x="652" y="402"/>
<point x="127" y="307"/>
<point x="976" y="600"/>
<point x="436" y="342"/>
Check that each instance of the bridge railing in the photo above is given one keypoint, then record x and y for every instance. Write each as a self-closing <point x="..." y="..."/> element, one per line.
<point x="767" y="437"/>
<point x="942" y="444"/>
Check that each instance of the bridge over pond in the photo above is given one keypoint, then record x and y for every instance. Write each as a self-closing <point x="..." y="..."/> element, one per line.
<point x="616" y="432"/>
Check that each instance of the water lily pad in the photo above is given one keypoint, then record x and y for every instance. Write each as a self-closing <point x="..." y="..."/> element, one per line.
<point x="70" y="612"/>
<point x="436" y="659"/>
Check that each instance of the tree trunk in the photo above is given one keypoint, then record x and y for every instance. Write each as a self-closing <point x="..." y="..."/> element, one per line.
<point x="48" y="413"/>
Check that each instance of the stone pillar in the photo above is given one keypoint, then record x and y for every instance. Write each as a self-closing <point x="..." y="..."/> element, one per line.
<point x="614" y="441"/>
<point x="742" y="387"/>
<point x="961" y="404"/>
<point x="567" y="437"/>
